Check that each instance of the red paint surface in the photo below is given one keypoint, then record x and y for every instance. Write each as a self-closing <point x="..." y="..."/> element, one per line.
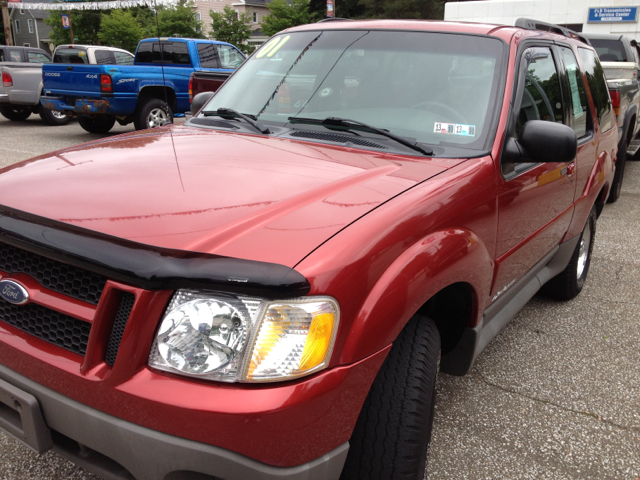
<point x="422" y="224"/>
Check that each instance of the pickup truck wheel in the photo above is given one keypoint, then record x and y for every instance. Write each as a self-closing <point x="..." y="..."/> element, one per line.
<point x="98" y="124"/>
<point x="17" y="113"/>
<point x="151" y="114"/>
<point x="616" y="185"/>
<point x="568" y="283"/>
<point x="393" y="431"/>
<point x="54" y="117"/>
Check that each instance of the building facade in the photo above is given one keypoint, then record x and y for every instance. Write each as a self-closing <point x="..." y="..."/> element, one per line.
<point x="574" y="14"/>
<point x="257" y="8"/>
<point x="28" y="27"/>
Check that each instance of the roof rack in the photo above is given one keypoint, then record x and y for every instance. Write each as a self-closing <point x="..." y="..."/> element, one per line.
<point x="530" y="24"/>
<point x="333" y="19"/>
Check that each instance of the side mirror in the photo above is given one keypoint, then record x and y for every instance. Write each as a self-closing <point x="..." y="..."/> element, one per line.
<point x="542" y="142"/>
<point x="199" y="100"/>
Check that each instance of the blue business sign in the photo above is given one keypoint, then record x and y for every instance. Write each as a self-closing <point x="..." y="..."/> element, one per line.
<point x="613" y="14"/>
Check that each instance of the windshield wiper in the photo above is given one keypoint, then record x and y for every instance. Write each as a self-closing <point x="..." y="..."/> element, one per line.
<point x="229" y="112"/>
<point x="349" y="124"/>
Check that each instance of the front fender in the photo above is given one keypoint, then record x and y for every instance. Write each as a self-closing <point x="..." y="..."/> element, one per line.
<point x="440" y="259"/>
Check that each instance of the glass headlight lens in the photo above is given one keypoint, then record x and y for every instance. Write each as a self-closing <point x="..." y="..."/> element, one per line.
<point x="231" y="338"/>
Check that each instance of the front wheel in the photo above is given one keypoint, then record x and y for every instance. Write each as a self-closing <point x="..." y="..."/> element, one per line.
<point x="16" y="113"/>
<point x="392" y="434"/>
<point x="568" y="283"/>
<point x="151" y="114"/>
<point x="97" y="124"/>
<point x="54" y="117"/>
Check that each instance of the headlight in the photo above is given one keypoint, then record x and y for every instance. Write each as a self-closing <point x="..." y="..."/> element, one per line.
<point x="234" y="338"/>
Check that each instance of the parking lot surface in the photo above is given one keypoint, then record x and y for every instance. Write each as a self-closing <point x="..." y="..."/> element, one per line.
<point x="555" y="396"/>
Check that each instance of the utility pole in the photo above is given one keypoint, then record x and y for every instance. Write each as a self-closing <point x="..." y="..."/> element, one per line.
<point x="7" y="23"/>
<point x="70" y="26"/>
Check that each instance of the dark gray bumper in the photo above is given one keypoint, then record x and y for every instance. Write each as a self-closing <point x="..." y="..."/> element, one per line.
<point x="115" y="449"/>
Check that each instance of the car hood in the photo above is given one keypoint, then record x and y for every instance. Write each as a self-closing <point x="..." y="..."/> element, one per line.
<point x="237" y="195"/>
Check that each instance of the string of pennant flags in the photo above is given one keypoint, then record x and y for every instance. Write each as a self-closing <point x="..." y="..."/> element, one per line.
<point x="95" y="5"/>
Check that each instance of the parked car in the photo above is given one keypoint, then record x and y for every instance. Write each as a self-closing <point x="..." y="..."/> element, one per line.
<point x="621" y="63"/>
<point x="147" y="93"/>
<point x="269" y="290"/>
<point x="92" y="55"/>
<point x="21" y="72"/>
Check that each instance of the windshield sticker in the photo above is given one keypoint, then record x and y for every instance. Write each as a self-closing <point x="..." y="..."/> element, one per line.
<point x="455" y="129"/>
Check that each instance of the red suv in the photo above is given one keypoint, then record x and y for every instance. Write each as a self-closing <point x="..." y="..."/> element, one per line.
<point x="269" y="290"/>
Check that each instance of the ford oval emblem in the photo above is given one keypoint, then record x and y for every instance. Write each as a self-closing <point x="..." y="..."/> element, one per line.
<point x="13" y="292"/>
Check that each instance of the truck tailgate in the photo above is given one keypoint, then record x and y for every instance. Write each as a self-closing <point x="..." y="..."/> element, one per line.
<point x="79" y="79"/>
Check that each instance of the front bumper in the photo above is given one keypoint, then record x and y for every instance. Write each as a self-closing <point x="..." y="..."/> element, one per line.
<point x="116" y="449"/>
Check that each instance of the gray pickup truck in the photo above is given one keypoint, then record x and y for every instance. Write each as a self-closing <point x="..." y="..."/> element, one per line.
<point x="620" y="59"/>
<point x="21" y="72"/>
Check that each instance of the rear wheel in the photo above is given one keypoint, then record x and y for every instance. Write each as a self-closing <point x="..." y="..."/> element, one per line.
<point x="616" y="185"/>
<point x="392" y="435"/>
<point x="568" y="283"/>
<point x="54" y="117"/>
<point x="16" y="113"/>
<point x="97" y="124"/>
<point x="151" y="114"/>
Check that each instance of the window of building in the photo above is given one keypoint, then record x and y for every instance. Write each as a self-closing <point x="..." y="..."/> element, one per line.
<point x="255" y="17"/>
<point x="22" y="11"/>
<point x="30" y="24"/>
<point x="199" y="16"/>
<point x="26" y="44"/>
<point x="17" y="26"/>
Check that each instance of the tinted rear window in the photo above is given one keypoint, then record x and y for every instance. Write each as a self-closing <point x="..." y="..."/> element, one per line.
<point x="104" y="57"/>
<point x="610" y="50"/>
<point x="70" y="55"/>
<point x="208" y="55"/>
<point x="174" y="53"/>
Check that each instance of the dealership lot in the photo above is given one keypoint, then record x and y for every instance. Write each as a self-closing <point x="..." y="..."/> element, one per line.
<point x="556" y="395"/>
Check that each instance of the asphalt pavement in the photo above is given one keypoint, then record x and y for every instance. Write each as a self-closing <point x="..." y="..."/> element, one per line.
<point x="555" y="396"/>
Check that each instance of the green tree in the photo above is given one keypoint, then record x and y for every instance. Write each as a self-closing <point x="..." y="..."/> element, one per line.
<point x="283" y="14"/>
<point x="178" y="20"/>
<point x="120" y="29"/>
<point x="229" y="26"/>
<point x="85" y="24"/>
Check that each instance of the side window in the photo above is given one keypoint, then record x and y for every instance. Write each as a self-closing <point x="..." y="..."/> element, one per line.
<point x="208" y="55"/>
<point x="577" y="94"/>
<point x="229" y="56"/>
<point x="103" y="57"/>
<point x="144" y="53"/>
<point x="123" y="58"/>
<point x="36" y="57"/>
<point x="598" y="87"/>
<point x="541" y="96"/>
<point x="176" y="53"/>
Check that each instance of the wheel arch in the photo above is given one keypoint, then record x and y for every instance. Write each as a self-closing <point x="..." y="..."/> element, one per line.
<point x="162" y="93"/>
<point x="446" y="266"/>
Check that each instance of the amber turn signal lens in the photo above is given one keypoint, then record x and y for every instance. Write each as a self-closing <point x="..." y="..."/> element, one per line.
<point x="318" y="341"/>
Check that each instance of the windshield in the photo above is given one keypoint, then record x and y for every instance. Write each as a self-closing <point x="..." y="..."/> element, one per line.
<point x="436" y="88"/>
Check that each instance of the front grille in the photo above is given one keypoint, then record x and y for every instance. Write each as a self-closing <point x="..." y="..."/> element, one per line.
<point x="53" y="327"/>
<point x="57" y="276"/>
<point x="332" y="137"/>
<point x="122" y="316"/>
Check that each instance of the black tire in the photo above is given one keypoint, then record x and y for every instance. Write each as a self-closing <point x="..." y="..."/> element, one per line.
<point x="568" y="283"/>
<point x="616" y="185"/>
<point x="16" y="113"/>
<point x="53" y="117"/>
<point x="97" y="124"/>
<point x="152" y="113"/>
<point x="392" y="434"/>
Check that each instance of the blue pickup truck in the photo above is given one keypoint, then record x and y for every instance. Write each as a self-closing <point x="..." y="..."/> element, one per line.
<point x="146" y="93"/>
